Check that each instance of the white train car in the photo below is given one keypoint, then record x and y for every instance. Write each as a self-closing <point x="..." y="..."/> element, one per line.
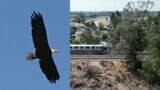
<point x="82" y="48"/>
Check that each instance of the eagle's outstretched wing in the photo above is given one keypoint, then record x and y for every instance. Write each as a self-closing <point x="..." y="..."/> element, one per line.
<point x="43" y="51"/>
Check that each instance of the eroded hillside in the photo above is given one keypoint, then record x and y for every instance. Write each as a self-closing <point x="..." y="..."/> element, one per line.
<point x="104" y="75"/>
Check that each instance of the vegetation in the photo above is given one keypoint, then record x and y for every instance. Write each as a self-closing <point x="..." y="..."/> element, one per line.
<point x="91" y="33"/>
<point x="91" y="25"/>
<point x="104" y="75"/>
<point x="128" y="31"/>
<point x="115" y="18"/>
<point x="81" y="19"/>
<point x="100" y="26"/>
<point x="133" y="31"/>
<point x="72" y="38"/>
<point x="87" y="37"/>
<point x="151" y="67"/>
<point x="105" y="37"/>
<point x="91" y="14"/>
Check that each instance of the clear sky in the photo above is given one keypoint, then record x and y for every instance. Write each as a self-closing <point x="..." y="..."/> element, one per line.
<point x="104" y="5"/>
<point x="16" y="73"/>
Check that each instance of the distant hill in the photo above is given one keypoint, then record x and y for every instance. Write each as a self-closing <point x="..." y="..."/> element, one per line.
<point x="95" y="14"/>
<point x="91" y="14"/>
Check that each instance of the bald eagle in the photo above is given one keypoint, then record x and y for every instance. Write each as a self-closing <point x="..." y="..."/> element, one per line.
<point x="43" y="52"/>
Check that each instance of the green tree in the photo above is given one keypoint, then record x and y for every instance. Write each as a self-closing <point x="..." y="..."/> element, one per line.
<point x="100" y="26"/>
<point x="115" y="18"/>
<point x="151" y="67"/>
<point x="73" y="41"/>
<point x="105" y="36"/>
<point x="87" y="37"/>
<point x="72" y="32"/>
<point x="81" y="18"/>
<point x="128" y="35"/>
<point x="91" y="25"/>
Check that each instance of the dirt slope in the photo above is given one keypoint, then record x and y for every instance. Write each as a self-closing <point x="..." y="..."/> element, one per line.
<point x="104" y="75"/>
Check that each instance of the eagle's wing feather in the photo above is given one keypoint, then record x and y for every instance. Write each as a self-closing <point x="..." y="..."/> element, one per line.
<point x="49" y="68"/>
<point x="43" y="51"/>
<point x="39" y="31"/>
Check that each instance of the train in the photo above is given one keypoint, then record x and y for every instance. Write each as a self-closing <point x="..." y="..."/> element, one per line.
<point x="91" y="48"/>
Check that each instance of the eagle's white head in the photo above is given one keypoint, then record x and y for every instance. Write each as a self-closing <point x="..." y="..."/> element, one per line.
<point x="32" y="55"/>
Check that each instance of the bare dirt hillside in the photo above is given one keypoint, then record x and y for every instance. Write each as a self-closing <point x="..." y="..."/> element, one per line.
<point x="104" y="75"/>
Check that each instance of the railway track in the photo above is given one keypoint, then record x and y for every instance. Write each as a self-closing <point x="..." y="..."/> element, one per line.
<point x="98" y="57"/>
<point x="95" y="56"/>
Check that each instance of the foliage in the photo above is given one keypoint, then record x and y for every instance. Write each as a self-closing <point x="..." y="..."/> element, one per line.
<point x="91" y="25"/>
<point x="87" y="37"/>
<point x="115" y="18"/>
<point x="100" y="26"/>
<point x="81" y="18"/>
<point x="128" y="32"/>
<point x="104" y="36"/>
<point x="151" y="67"/>
<point x="72" y="32"/>
<point x="73" y="41"/>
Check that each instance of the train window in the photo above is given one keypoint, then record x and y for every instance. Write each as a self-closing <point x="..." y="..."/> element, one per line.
<point x="105" y="48"/>
<point x="87" y="48"/>
<point x="81" y="48"/>
<point x="101" y="48"/>
<point x="97" y="48"/>
<point x="71" y="48"/>
<point x="76" y="48"/>
<point x="93" y="47"/>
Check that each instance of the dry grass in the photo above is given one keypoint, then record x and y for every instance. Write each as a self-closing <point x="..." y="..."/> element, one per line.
<point x="103" y="75"/>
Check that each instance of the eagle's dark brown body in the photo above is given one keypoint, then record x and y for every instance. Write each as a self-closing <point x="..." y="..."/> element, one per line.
<point x="43" y="51"/>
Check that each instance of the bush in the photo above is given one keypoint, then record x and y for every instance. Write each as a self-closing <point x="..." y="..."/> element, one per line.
<point x="151" y="71"/>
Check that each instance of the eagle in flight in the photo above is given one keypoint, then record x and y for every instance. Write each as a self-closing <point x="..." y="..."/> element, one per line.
<point x="42" y="50"/>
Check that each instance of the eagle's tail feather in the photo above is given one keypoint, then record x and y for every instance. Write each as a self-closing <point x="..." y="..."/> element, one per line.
<point x="31" y="56"/>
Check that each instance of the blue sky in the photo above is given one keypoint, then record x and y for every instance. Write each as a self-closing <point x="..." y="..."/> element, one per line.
<point x="104" y="5"/>
<point x="16" y="73"/>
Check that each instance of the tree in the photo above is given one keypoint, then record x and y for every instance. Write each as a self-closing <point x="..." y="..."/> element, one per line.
<point x="115" y="18"/>
<point x="105" y="37"/>
<point x="91" y="25"/>
<point x="73" y="41"/>
<point x="81" y="18"/>
<point x="100" y="26"/>
<point x="151" y="67"/>
<point x="129" y="31"/>
<point x="72" y="32"/>
<point x="87" y="37"/>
